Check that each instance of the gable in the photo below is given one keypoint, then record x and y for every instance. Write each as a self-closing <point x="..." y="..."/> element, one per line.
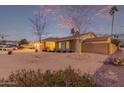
<point x="89" y="35"/>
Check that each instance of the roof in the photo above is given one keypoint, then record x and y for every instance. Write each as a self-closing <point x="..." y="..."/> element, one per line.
<point x="51" y="39"/>
<point x="67" y="38"/>
<point x="97" y="39"/>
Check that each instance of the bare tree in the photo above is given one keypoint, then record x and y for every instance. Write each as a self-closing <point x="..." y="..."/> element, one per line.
<point x="77" y="18"/>
<point x="39" y="23"/>
<point x="80" y="17"/>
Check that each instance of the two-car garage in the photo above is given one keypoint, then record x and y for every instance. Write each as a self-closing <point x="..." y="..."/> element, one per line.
<point x="102" y="45"/>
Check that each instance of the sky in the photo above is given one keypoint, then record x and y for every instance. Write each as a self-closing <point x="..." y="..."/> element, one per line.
<point x="15" y="24"/>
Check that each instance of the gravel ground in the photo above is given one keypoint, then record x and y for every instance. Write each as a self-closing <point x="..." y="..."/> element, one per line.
<point x="109" y="75"/>
<point x="86" y="62"/>
<point x="104" y="74"/>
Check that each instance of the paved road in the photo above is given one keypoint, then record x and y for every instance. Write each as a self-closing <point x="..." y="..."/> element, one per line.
<point x="18" y="51"/>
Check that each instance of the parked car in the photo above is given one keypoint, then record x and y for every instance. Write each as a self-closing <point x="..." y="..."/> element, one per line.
<point x="9" y="47"/>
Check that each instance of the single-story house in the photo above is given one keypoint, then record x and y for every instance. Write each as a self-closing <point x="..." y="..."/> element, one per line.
<point x="66" y="44"/>
<point x="87" y="42"/>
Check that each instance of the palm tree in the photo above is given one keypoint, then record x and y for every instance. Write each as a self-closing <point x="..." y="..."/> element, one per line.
<point x="112" y="12"/>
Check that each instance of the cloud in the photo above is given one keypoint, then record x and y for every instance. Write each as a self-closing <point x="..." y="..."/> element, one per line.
<point x="50" y="9"/>
<point x="104" y="12"/>
<point x="61" y="17"/>
<point x="65" y="25"/>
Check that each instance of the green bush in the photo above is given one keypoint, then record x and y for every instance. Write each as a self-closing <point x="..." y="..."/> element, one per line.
<point x="116" y="42"/>
<point x="23" y="41"/>
<point x="62" y="78"/>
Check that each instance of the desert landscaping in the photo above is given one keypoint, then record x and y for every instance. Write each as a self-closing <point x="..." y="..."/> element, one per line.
<point x="96" y="65"/>
<point x="86" y="62"/>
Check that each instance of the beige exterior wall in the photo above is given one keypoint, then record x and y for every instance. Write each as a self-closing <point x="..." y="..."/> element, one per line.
<point x="77" y="46"/>
<point x="78" y="42"/>
<point x="113" y="48"/>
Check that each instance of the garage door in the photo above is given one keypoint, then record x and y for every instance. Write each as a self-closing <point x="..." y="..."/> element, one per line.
<point x="102" y="48"/>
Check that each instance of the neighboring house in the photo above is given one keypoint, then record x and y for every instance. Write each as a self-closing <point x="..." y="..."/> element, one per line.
<point x="87" y="42"/>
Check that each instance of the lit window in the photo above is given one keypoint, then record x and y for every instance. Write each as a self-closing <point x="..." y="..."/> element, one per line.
<point x="59" y="44"/>
<point x="67" y="44"/>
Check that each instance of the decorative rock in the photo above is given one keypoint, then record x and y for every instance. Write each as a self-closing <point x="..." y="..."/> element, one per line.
<point x="117" y="61"/>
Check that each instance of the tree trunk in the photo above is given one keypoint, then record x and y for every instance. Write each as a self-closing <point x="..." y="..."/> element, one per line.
<point x="40" y="44"/>
<point x="78" y="46"/>
<point x="112" y="26"/>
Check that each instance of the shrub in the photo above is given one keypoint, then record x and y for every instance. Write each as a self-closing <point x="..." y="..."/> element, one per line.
<point x="23" y="41"/>
<point x="36" y="50"/>
<point x="62" y="78"/>
<point x="116" y="42"/>
<point x="9" y="52"/>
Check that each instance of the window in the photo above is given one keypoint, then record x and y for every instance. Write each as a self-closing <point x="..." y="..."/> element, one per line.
<point x="59" y="45"/>
<point x="67" y="44"/>
<point x="50" y="45"/>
